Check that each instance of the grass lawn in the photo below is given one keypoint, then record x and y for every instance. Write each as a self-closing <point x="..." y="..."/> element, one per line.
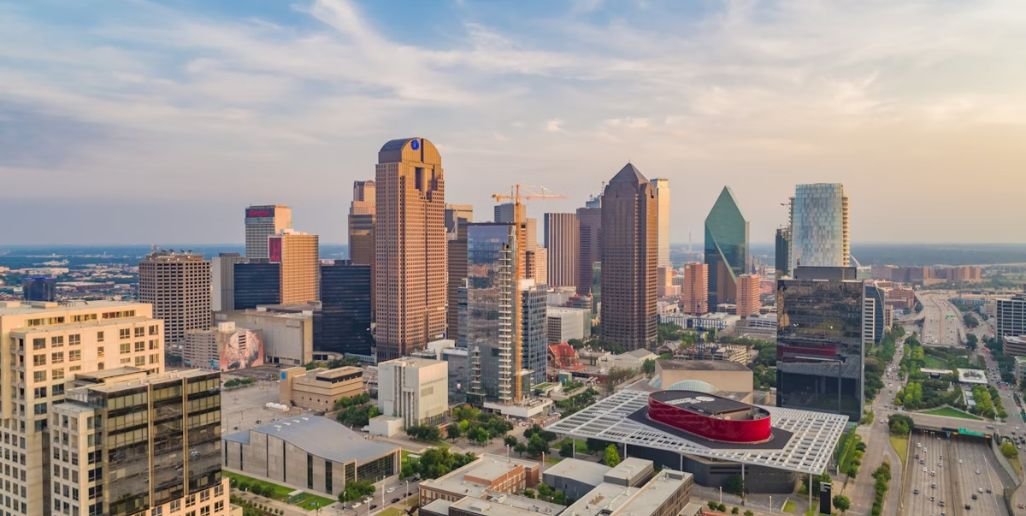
<point x="391" y="511"/>
<point x="278" y="492"/>
<point x="311" y="502"/>
<point x="789" y="506"/>
<point x="932" y="362"/>
<point x="1016" y="465"/>
<point x="951" y="412"/>
<point x="900" y="445"/>
<point x="552" y="459"/>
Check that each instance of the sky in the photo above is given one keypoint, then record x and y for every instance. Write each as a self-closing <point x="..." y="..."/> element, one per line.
<point x="158" y="122"/>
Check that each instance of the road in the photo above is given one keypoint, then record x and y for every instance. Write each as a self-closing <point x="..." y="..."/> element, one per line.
<point x="976" y="475"/>
<point x="930" y="481"/>
<point x="942" y="324"/>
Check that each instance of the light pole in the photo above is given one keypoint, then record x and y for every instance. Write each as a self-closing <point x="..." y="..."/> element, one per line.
<point x="721" y="494"/>
<point x="407" y="489"/>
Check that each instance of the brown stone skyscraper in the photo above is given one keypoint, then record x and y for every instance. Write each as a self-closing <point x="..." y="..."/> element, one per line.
<point x="410" y="247"/>
<point x="361" y="228"/>
<point x="589" y="219"/>
<point x="562" y="240"/>
<point x="177" y="284"/>
<point x="629" y="258"/>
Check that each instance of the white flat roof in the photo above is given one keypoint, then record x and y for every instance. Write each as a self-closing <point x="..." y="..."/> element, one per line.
<point x="814" y="434"/>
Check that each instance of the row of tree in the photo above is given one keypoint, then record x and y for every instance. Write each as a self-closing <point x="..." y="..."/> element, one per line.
<point x="882" y="477"/>
<point x="434" y="462"/>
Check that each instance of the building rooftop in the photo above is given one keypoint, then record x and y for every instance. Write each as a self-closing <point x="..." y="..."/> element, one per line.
<point x="320" y="436"/>
<point x="627" y="469"/>
<point x="603" y="500"/>
<point x="438" y="506"/>
<point x="703" y="365"/>
<point x="153" y="378"/>
<point x="41" y="307"/>
<point x="82" y="324"/>
<point x="487" y="467"/>
<point x="700" y="402"/>
<point x="500" y="504"/>
<point x="583" y="471"/>
<point x="655" y="492"/>
<point x="339" y="372"/>
<point x="412" y="362"/>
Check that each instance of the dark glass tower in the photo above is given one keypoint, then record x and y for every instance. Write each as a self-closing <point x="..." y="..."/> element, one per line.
<point x="819" y="341"/>
<point x="726" y="248"/>
<point x="533" y="332"/>
<point x="345" y="308"/>
<point x="783" y="252"/>
<point x="39" y="289"/>
<point x="257" y="283"/>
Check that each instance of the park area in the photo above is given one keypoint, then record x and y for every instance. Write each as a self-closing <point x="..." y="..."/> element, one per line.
<point x="278" y="492"/>
<point x="951" y="412"/>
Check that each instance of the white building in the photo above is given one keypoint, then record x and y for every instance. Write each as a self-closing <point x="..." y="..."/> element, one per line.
<point x="415" y="389"/>
<point x="563" y="324"/>
<point x="819" y="226"/>
<point x="287" y="337"/>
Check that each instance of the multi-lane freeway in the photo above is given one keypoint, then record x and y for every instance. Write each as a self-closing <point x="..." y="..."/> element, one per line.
<point x="942" y="322"/>
<point x="946" y="474"/>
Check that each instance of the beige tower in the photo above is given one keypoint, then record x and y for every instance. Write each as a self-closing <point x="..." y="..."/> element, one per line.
<point x="662" y="187"/>
<point x="361" y="223"/>
<point x="695" y="292"/>
<point x="178" y="287"/>
<point x="748" y="302"/>
<point x="261" y="222"/>
<point x="300" y="267"/>
<point x="410" y="247"/>
<point x="562" y="234"/>
<point x="628" y="311"/>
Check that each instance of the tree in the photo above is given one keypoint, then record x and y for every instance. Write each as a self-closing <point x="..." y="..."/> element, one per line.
<point x="510" y="441"/>
<point x="611" y="457"/>
<point x="520" y="448"/>
<point x="842" y="503"/>
<point x="566" y="449"/>
<point x="749" y="513"/>
<point x="537" y="445"/>
<point x="735" y="510"/>
<point x="1008" y="450"/>
<point x="648" y="367"/>
<point x="453" y="432"/>
<point x="356" y="490"/>
<point x="733" y="485"/>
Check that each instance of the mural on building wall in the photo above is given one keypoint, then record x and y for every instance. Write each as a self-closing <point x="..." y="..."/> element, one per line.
<point x="244" y="349"/>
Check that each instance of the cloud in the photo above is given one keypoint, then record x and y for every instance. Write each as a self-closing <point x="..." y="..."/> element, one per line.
<point x="554" y="125"/>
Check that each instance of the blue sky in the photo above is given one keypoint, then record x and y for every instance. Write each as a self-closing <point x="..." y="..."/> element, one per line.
<point x="156" y="122"/>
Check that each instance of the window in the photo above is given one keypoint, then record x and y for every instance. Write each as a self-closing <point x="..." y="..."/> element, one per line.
<point x="140" y="361"/>
<point x="74" y="340"/>
<point x="190" y="501"/>
<point x="125" y="333"/>
<point x="99" y="352"/>
<point x="126" y="348"/>
<point x="153" y="344"/>
<point x="176" y="505"/>
<point x="57" y="341"/>
<point x="39" y="392"/>
<point x="57" y="357"/>
<point x="154" y="330"/>
<point x="140" y="331"/>
<point x="57" y="389"/>
<point x="39" y="376"/>
<point x="99" y="336"/>
<point x="75" y="355"/>
<point x="40" y="409"/>
<point x="140" y="346"/>
<point x="38" y="343"/>
<point x="39" y="360"/>
<point x="58" y="374"/>
<point x="154" y="359"/>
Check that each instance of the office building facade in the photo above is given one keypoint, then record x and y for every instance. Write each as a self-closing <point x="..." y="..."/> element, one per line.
<point x="819" y="226"/>
<point x="262" y="222"/>
<point x="748" y="295"/>
<point x="782" y="252"/>
<point x="1011" y="316"/>
<point x="298" y="257"/>
<point x="628" y="310"/>
<point x="533" y="333"/>
<point x="224" y="347"/>
<point x="414" y="389"/>
<point x="562" y="233"/>
<point x="178" y="287"/>
<point x="820" y="348"/>
<point x="410" y="247"/>
<point x="726" y="248"/>
<point x="589" y="219"/>
<point x="695" y="291"/>
<point x="222" y="281"/>
<point x="255" y="284"/>
<point x="662" y="188"/>
<point x="345" y="309"/>
<point x="39" y="289"/>
<point x="457" y="216"/>
<point x="361" y="223"/>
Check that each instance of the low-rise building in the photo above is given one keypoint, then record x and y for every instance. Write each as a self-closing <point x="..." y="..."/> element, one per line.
<point x="311" y="453"/>
<point x="415" y="389"/>
<point x="574" y="477"/>
<point x="319" y="389"/>
<point x="1015" y="345"/>
<point x="288" y="338"/>
<point x="488" y="473"/>
<point x="225" y="347"/>
<point x="564" y="324"/>
<point x="502" y="504"/>
<point x="1020" y="370"/>
<point x="665" y="494"/>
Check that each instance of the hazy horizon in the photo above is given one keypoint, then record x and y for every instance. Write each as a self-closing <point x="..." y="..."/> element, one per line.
<point x="163" y="120"/>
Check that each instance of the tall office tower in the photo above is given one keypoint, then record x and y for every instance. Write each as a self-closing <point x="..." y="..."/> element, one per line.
<point x="346" y="308"/>
<point x="820" y="342"/>
<point x="256" y="283"/>
<point x="457" y="216"/>
<point x="533" y="333"/>
<point x="39" y="288"/>
<point x="695" y="292"/>
<point x="533" y="259"/>
<point x="590" y="220"/>
<point x="262" y="222"/>
<point x="158" y="450"/>
<point x="1011" y="316"/>
<point x="361" y="223"/>
<point x="662" y="188"/>
<point x="222" y="280"/>
<point x="562" y="234"/>
<point x="410" y="247"/>
<point x="178" y="287"/>
<point x="493" y="325"/>
<point x="57" y="344"/>
<point x="819" y="226"/>
<point x="783" y="252"/>
<point x="298" y="257"/>
<point x="628" y="310"/>
<point x="726" y="248"/>
<point x="748" y="301"/>
<point x="876" y="306"/>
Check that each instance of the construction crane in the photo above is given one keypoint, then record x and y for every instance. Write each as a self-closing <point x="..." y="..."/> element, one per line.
<point x="515" y="195"/>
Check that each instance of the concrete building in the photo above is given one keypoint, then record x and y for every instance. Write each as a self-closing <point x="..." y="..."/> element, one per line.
<point x="488" y="473"/>
<point x="362" y="211"/>
<point x="57" y="342"/>
<point x="499" y="504"/>
<point x="565" y="324"/>
<point x="225" y="347"/>
<point x="532" y="259"/>
<point x="589" y="219"/>
<point x="262" y="222"/>
<point x="222" y="281"/>
<point x="662" y="190"/>
<point x="1011" y="316"/>
<point x="748" y="291"/>
<point x="410" y="247"/>
<point x="415" y="389"/>
<point x="319" y="389"/>
<point x="346" y="309"/>
<point x="574" y="477"/>
<point x="1015" y="346"/>
<point x="256" y="283"/>
<point x="782" y="252"/>
<point x="311" y="453"/>
<point x="533" y="334"/>
<point x="730" y="379"/>
<point x="562" y="234"/>
<point x="665" y="494"/>
<point x="457" y="216"/>
<point x="178" y="287"/>
<point x="174" y="466"/>
<point x="695" y="292"/>
<point x="298" y="257"/>
<point x="819" y="226"/>
<point x="629" y="221"/>
<point x="726" y="249"/>
<point x="288" y="338"/>
<point x="458" y="361"/>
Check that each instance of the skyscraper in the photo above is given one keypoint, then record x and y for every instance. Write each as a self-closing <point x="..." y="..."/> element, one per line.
<point x="820" y="341"/>
<point x="662" y="188"/>
<point x="297" y="253"/>
<point x="39" y="288"/>
<point x="345" y="308"/>
<point x="533" y="259"/>
<point x="1011" y="316"/>
<point x="410" y="247"/>
<point x="177" y="284"/>
<point x="628" y="310"/>
<point x="361" y="227"/>
<point x="589" y="219"/>
<point x="533" y="332"/>
<point x="222" y="279"/>
<point x="493" y="326"/>
<point x="457" y="216"/>
<point x="261" y="222"/>
<point x="819" y="226"/>
<point x="256" y="283"/>
<point x="726" y="248"/>
<point x="748" y="301"/>
<point x="783" y="252"/>
<point x="562" y="233"/>
<point x="695" y="292"/>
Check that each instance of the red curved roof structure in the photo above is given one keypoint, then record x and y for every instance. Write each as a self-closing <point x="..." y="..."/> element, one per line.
<point x="710" y="417"/>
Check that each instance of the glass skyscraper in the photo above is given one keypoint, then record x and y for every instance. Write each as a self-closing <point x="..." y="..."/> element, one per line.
<point x="534" y="321"/>
<point x="345" y="308"/>
<point x="819" y="341"/>
<point x="256" y="283"/>
<point x="492" y="325"/>
<point x="726" y="248"/>
<point x="819" y="226"/>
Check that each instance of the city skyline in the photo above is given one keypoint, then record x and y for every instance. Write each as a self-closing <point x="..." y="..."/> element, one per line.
<point x="164" y="108"/>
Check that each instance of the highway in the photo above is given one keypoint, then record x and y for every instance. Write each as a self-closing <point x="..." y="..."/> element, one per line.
<point x="975" y="474"/>
<point x="930" y="481"/>
<point x="942" y="324"/>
